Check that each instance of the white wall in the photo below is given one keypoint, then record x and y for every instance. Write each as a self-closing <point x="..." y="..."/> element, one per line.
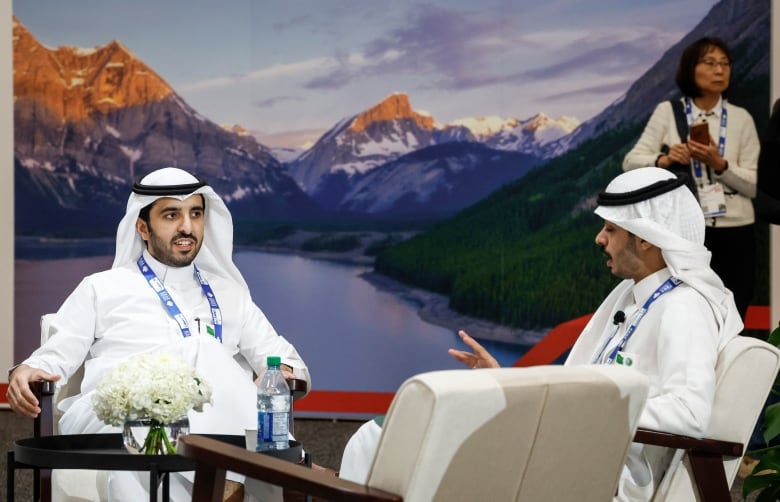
<point x="6" y="193"/>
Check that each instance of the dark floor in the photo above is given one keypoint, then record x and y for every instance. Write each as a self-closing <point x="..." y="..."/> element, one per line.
<point x="324" y="440"/>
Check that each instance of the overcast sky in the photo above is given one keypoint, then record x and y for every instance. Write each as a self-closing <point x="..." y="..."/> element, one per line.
<point x="279" y="66"/>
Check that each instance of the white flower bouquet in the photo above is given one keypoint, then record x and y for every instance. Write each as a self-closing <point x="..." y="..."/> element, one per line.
<point x="159" y="387"/>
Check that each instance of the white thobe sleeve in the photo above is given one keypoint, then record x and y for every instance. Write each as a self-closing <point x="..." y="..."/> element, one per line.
<point x="74" y="325"/>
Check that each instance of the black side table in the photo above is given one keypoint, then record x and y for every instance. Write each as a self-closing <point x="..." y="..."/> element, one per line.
<point x="107" y="452"/>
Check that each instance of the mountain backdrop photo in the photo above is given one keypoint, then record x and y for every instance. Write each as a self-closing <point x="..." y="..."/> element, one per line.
<point x="395" y="171"/>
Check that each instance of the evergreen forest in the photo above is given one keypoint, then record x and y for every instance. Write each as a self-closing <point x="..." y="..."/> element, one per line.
<point x="525" y="256"/>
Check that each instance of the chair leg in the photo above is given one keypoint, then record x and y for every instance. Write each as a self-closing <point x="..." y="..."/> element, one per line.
<point x="209" y="485"/>
<point x="290" y="495"/>
<point x="709" y="477"/>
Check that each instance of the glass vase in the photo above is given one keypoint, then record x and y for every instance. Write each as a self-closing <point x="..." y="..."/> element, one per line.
<point x="150" y="437"/>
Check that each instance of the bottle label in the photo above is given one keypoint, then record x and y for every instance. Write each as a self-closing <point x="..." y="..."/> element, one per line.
<point x="272" y="426"/>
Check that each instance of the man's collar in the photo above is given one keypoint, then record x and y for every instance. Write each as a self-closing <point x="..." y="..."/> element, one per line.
<point x="168" y="274"/>
<point x="644" y="288"/>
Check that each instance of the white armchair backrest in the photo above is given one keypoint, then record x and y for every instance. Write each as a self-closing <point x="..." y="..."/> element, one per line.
<point x="526" y="434"/>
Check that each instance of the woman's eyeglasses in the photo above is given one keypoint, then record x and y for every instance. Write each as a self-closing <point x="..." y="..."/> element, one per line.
<point x="712" y="63"/>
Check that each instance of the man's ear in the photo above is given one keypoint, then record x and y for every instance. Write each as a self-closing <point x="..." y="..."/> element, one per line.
<point x="142" y="228"/>
<point x="645" y="244"/>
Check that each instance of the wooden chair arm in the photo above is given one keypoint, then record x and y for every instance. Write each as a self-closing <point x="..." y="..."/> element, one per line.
<point x="298" y="387"/>
<point x="705" y="457"/>
<point x="43" y="425"/>
<point x="710" y="446"/>
<point x="43" y="388"/>
<point x="213" y="458"/>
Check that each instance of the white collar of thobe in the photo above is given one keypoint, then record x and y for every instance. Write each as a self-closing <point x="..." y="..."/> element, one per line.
<point x="166" y="276"/>
<point x="171" y="276"/>
<point x="642" y="290"/>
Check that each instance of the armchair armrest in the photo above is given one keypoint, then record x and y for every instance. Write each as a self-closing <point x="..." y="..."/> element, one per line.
<point x="298" y="387"/>
<point x="706" y="459"/>
<point x="43" y="425"/>
<point x="213" y="458"/>
<point x="711" y="446"/>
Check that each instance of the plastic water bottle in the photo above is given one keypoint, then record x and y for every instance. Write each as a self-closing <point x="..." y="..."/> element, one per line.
<point x="273" y="408"/>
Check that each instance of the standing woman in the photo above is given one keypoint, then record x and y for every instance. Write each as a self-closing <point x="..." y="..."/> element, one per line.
<point x="721" y="168"/>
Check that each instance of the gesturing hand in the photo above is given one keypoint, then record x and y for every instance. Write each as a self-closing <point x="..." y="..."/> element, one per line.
<point x="479" y="358"/>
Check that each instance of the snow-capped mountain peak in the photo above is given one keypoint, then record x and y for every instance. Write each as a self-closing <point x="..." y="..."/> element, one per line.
<point x="394" y="107"/>
<point x="358" y="144"/>
<point x="484" y="127"/>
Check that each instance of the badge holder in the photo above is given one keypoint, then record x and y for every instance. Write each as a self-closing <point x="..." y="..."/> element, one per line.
<point x="712" y="200"/>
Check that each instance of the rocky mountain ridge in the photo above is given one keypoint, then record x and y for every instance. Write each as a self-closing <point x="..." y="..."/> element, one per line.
<point x="90" y="122"/>
<point x="348" y="161"/>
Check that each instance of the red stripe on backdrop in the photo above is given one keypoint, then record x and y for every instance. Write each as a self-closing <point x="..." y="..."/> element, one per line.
<point x="555" y="343"/>
<point x="328" y="401"/>
<point x="757" y="317"/>
<point x="325" y="401"/>
<point x="550" y="348"/>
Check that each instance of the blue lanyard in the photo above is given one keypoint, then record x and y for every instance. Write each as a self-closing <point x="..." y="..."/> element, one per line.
<point x="721" y="137"/>
<point x="668" y="285"/>
<point x="173" y="309"/>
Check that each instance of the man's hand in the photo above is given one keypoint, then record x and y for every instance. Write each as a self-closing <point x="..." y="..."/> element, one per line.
<point x="480" y="358"/>
<point x="19" y="395"/>
<point x="287" y="371"/>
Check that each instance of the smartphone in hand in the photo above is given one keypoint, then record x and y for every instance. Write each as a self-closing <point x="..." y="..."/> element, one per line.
<point x="700" y="133"/>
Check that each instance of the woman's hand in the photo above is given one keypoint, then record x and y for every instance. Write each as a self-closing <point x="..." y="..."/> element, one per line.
<point x="479" y="358"/>
<point x="678" y="154"/>
<point x="707" y="154"/>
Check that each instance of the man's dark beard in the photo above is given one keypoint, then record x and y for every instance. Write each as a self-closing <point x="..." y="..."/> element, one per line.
<point x="163" y="253"/>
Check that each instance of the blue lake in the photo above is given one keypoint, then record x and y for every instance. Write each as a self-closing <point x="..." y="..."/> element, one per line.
<point x="353" y="336"/>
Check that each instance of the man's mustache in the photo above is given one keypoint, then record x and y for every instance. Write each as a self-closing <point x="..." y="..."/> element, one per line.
<point x="604" y="252"/>
<point x="184" y="236"/>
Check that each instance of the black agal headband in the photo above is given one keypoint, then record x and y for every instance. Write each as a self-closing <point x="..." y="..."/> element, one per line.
<point x="644" y="193"/>
<point x="168" y="189"/>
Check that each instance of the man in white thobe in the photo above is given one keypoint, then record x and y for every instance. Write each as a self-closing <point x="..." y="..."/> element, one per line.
<point x="176" y="237"/>
<point x="668" y="318"/>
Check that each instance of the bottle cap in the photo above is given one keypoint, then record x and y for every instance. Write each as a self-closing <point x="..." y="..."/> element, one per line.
<point x="274" y="361"/>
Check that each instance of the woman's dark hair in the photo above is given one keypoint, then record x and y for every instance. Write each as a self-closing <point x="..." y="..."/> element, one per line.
<point x="691" y="56"/>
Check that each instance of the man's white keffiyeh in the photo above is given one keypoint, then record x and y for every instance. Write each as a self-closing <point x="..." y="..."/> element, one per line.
<point x="641" y="202"/>
<point x="654" y="205"/>
<point x="216" y="253"/>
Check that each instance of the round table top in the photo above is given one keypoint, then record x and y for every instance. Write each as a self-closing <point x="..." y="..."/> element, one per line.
<point x="99" y="451"/>
<point x="107" y="452"/>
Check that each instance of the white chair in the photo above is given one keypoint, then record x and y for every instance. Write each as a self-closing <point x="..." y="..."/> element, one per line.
<point x="745" y="372"/>
<point x="512" y="434"/>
